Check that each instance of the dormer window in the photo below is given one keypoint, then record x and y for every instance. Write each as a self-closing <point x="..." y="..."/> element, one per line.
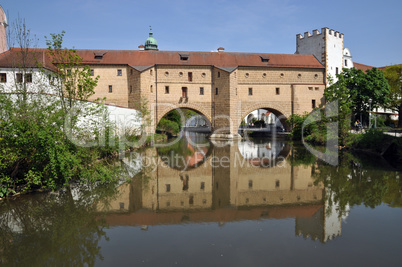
<point x="99" y="55"/>
<point x="184" y="57"/>
<point x="264" y="58"/>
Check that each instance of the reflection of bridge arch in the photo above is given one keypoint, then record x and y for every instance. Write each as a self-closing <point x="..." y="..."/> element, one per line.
<point x="278" y="110"/>
<point x="165" y="109"/>
<point x="266" y="161"/>
<point x="198" y="155"/>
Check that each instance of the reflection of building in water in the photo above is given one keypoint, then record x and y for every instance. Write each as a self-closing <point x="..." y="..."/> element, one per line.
<point x="226" y="188"/>
<point x="324" y="226"/>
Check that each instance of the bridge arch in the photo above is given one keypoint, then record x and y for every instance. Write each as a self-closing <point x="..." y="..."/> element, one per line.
<point x="277" y="110"/>
<point x="165" y="109"/>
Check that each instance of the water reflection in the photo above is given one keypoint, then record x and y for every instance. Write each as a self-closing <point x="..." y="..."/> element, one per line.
<point x="300" y="195"/>
<point x="229" y="186"/>
<point x="53" y="229"/>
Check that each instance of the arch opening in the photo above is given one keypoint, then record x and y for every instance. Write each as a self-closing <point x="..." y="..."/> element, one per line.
<point x="263" y="120"/>
<point x="180" y="120"/>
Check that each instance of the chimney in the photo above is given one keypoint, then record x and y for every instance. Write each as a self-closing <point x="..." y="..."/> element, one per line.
<point x="221" y="49"/>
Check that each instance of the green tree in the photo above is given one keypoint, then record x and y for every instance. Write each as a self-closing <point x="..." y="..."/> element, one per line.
<point x="393" y="74"/>
<point x="340" y="93"/>
<point x="364" y="86"/>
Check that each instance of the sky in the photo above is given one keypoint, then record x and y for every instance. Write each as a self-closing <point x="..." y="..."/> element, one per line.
<point x="372" y="29"/>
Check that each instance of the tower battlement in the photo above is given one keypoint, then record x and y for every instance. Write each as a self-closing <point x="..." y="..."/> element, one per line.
<point x="324" y="31"/>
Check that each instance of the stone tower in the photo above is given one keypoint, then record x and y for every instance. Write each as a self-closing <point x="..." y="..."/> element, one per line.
<point x="3" y="31"/>
<point x="326" y="46"/>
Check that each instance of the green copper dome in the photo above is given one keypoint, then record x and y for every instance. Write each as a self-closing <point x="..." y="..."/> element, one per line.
<point x="151" y="43"/>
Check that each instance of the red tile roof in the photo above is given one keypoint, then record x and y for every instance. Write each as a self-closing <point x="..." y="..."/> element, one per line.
<point x="222" y="59"/>
<point x="149" y="58"/>
<point x="362" y="66"/>
<point x="34" y="58"/>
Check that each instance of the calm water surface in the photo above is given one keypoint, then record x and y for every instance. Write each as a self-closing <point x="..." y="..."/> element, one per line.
<point x="250" y="203"/>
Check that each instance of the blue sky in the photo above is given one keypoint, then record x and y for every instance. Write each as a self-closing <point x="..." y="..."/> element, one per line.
<point x="373" y="29"/>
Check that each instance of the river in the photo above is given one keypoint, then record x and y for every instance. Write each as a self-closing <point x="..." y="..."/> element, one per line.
<point x="245" y="203"/>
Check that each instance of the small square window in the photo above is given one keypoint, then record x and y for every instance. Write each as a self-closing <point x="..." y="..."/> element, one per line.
<point x="18" y="77"/>
<point x="166" y="89"/>
<point x="110" y="89"/>
<point x="250" y="184"/>
<point x="310" y="88"/>
<point x="201" y="90"/>
<point x="202" y="185"/>
<point x="250" y="91"/>
<point x="167" y="187"/>
<point x="28" y="77"/>
<point x="277" y="183"/>
<point x="277" y="90"/>
<point x="317" y="88"/>
<point x="119" y="73"/>
<point x="3" y="77"/>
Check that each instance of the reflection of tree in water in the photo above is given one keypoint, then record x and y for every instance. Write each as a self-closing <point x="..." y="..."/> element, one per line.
<point x="52" y="230"/>
<point x="353" y="181"/>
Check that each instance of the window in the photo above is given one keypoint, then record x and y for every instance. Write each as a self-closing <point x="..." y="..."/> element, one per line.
<point x="250" y="91"/>
<point x="150" y="72"/>
<point x="277" y="90"/>
<point x="184" y="57"/>
<point x="313" y="103"/>
<point x="202" y="185"/>
<point x="264" y="58"/>
<point x="191" y="200"/>
<point x="110" y="89"/>
<point x="299" y="75"/>
<point x="119" y="73"/>
<point x="131" y="89"/>
<point x="250" y="184"/>
<point x="184" y="91"/>
<point x="317" y="88"/>
<point x="151" y="89"/>
<point x="310" y="88"/>
<point x="28" y="77"/>
<point x="167" y="187"/>
<point x="346" y="62"/>
<point x="219" y="74"/>
<point x="277" y="183"/>
<point x="166" y="89"/>
<point x="131" y="72"/>
<point x="201" y="90"/>
<point x="3" y="77"/>
<point x="121" y="205"/>
<point x="336" y="70"/>
<point x="216" y="91"/>
<point x="180" y="74"/>
<point x="190" y="76"/>
<point x="92" y="72"/>
<point x="18" y="77"/>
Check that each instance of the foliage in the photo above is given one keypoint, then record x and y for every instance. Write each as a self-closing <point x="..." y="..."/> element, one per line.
<point x="315" y="132"/>
<point x="168" y="126"/>
<point x="339" y="94"/>
<point x="37" y="147"/>
<point x="393" y="74"/>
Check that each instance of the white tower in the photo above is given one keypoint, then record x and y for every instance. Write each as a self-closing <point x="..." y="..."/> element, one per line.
<point x="3" y="31"/>
<point x="326" y="46"/>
